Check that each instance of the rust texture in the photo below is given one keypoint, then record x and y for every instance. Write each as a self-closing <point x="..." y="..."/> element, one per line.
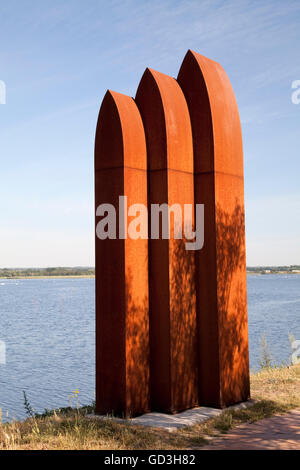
<point x="122" y="304"/>
<point x="171" y="324"/>
<point x="221" y="264"/>
<point x="173" y="328"/>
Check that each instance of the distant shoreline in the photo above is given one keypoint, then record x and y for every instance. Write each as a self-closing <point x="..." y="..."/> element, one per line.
<point x="92" y="276"/>
<point x="87" y="272"/>
<point x="262" y="273"/>
<point x="18" y="278"/>
<point x="47" y="273"/>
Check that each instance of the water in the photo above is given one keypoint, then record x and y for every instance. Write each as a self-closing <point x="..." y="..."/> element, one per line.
<point x="273" y="309"/>
<point x="48" y="328"/>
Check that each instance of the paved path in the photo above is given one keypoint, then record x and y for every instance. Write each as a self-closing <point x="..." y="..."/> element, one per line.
<point x="282" y="432"/>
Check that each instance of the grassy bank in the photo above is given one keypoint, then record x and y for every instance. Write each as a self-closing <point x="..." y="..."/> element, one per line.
<point x="276" y="390"/>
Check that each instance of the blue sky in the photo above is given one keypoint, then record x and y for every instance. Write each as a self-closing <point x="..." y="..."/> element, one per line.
<point x="58" y="58"/>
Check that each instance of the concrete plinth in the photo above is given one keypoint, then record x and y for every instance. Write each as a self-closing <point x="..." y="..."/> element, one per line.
<point x="177" y="421"/>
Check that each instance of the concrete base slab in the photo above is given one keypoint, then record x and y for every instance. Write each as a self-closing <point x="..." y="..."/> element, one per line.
<point x="173" y="422"/>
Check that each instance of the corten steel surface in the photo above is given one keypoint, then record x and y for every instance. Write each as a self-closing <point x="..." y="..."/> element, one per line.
<point x="122" y="319"/>
<point x="186" y="142"/>
<point x="220" y="265"/>
<point x="173" y="329"/>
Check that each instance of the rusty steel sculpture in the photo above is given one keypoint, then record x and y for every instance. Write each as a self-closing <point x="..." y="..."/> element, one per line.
<point x="171" y="324"/>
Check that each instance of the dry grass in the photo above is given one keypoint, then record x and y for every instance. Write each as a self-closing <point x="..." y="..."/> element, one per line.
<point x="281" y="384"/>
<point x="276" y="390"/>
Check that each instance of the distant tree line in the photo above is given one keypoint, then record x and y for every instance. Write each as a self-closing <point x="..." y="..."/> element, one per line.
<point x="37" y="272"/>
<point x="86" y="271"/>
<point x="274" y="269"/>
